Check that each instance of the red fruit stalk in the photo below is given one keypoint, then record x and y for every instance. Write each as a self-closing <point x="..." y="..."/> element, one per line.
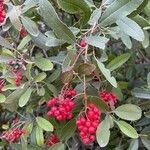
<point x="87" y="125"/>
<point x="2" y="11"/>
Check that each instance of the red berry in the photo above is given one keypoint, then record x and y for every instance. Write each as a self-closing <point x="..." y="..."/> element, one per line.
<point x="83" y="43"/>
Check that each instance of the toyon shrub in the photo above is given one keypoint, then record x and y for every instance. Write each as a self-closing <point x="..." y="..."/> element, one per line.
<point x="74" y="74"/>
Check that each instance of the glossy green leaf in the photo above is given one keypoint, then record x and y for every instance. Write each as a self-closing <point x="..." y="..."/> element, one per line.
<point x="61" y="30"/>
<point x="128" y="112"/>
<point x="39" y="136"/>
<point x="127" y="129"/>
<point x="118" y="10"/>
<point x="25" y="97"/>
<point x="44" y="124"/>
<point x="75" y="7"/>
<point x="106" y="73"/>
<point x="118" y="61"/>
<point x="131" y="28"/>
<point x="43" y="63"/>
<point x="30" y="26"/>
<point x="97" y="41"/>
<point x="103" y="133"/>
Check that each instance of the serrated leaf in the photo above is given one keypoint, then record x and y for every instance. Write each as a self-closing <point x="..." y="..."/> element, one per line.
<point x="40" y="77"/>
<point x="61" y="30"/>
<point x="118" y="61"/>
<point x="58" y="146"/>
<point x="76" y="6"/>
<point x="118" y="10"/>
<point x="44" y="124"/>
<point x="30" y="26"/>
<point x="131" y="28"/>
<point x="43" y="63"/>
<point x="68" y="130"/>
<point x="39" y="136"/>
<point x="128" y="112"/>
<point x="103" y="133"/>
<point x="141" y="93"/>
<point x="2" y="98"/>
<point x="127" y="129"/>
<point x="97" y="41"/>
<point x="25" y="97"/>
<point x="107" y="74"/>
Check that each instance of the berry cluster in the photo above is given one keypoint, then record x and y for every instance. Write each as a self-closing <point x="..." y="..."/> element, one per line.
<point x="108" y="97"/>
<point x="61" y="108"/>
<point x="83" y="43"/>
<point x="18" y="78"/>
<point x="22" y="32"/>
<point x="53" y="139"/>
<point x="13" y="134"/>
<point x="2" y="11"/>
<point x="1" y="85"/>
<point x="87" y="125"/>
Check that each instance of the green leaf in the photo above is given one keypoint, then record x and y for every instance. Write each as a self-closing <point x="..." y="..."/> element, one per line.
<point x="95" y="16"/>
<point x="97" y="41"/>
<point x="55" y="75"/>
<point x="25" y="97"/>
<point x="126" y="40"/>
<point x="61" y="30"/>
<point x="23" y="42"/>
<point x="118" y="61"/>
<point x="86" y="68"/>
<point x="127" y="129"/>
<point x="134" y="145"/>
<point x="118" y="10"/>
<point x="9" y="87"/>
<point x="40" y="77"/>
<point x="107" y="73"/>
<point x="76" y="6"/>
<point x="148" y="80"/>
<point x="141" y="21"/>
<point x="2" y="98"/>
<point x="5" y="43"/>
<point x="44" y="124"/>
<point x="14" y="15"/>
<point x="30" y="26"/>
<point x="101" y="105"/>
<point x="58" y="146"/>
<point x="43" y="63"/>
<point x="131" y="28"/>
<point x="128" y="112"/>
<point x="146" y="41"/>
<point x="139" y="9"/>
<point x="141" y="93"/>
<point x="68" y="130"/>
<point x="39" y="136"/>
<point x="103" y="133"/>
